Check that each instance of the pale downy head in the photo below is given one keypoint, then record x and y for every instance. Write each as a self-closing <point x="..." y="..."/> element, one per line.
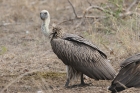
<point x="45" y="16"/>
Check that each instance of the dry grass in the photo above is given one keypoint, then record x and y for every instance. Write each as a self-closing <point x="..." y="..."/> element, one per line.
<point x="23" y="48"/>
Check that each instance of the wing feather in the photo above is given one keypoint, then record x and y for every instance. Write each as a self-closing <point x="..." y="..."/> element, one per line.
<point x="76" y="38"/>
<point x="129" y="75"/>
<point x="130" y="60"/>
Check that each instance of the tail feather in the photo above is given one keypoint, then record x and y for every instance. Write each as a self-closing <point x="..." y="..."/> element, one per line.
<point x="105" y="70"/>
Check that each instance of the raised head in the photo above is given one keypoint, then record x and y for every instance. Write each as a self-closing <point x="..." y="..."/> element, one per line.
<point x="45" y="16"/>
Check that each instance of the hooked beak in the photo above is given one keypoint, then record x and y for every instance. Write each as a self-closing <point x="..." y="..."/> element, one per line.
<point x="51" y="35"/>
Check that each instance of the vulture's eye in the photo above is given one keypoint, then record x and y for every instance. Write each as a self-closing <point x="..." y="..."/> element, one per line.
<point x="45" y="13"/>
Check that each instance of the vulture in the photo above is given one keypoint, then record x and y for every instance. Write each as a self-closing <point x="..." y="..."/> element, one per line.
<point x="78" y="54"/>
<point x="128" y="76"/>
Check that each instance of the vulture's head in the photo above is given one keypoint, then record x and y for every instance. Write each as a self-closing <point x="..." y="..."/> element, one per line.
<point x="44" y="15"/>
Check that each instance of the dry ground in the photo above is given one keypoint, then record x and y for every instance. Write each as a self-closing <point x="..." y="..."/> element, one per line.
<point x="27" y="63"/>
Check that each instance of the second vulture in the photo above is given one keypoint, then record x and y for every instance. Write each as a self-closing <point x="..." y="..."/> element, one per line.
<point x="79" y="54"/>
<point x="128" y="76"/>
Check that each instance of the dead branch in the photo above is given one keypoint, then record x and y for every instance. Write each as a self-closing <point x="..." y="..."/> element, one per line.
<point x="98" y="8"/>
<point x="131" y="5"/>
<point x="89" y="3"/>
<point x="73" y="9"/>
<point x="81" y="17"/>
<point x="92" y="7"/>
<point x="126" y="13"/>
<point x="127" y="10"/>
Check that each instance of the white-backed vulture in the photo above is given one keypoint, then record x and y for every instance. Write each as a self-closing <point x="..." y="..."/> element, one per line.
<point x="128" y="76"/>
<point x="79" y="54"/>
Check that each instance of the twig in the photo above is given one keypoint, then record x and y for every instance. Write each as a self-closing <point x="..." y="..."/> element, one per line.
<point x="79" y="17"/>
<point x="92" y="7"/>
<point x="73" y="9"/>
<point x="84" y="15"/>
<point x="98" y="8"/>
<point x="89" y="3"/>
<point x="133" y="3"/>
<point x="127" y="13"/>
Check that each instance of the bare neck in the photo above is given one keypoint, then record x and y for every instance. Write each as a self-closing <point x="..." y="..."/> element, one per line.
<point x="45" y="27"/>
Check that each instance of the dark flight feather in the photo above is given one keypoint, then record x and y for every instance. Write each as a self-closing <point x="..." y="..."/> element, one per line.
<point x="128" y="76"/>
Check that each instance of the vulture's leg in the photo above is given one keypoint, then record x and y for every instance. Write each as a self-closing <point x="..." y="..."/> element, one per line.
<point x="67" y="82"/>
<point x="68" y="78"/>
<point x="82" y="79"/>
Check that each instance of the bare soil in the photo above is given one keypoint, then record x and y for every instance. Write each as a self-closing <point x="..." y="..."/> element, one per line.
<point x="27" y="63"/>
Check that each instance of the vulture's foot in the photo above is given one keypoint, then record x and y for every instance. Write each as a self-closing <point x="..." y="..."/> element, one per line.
<point x="67" y="83"/>
<point x="83" y="84"/>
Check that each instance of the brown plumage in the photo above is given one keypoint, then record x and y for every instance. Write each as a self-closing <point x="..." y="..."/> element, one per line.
<point x="80" y="56"/>
<point x="128" y="76"/>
